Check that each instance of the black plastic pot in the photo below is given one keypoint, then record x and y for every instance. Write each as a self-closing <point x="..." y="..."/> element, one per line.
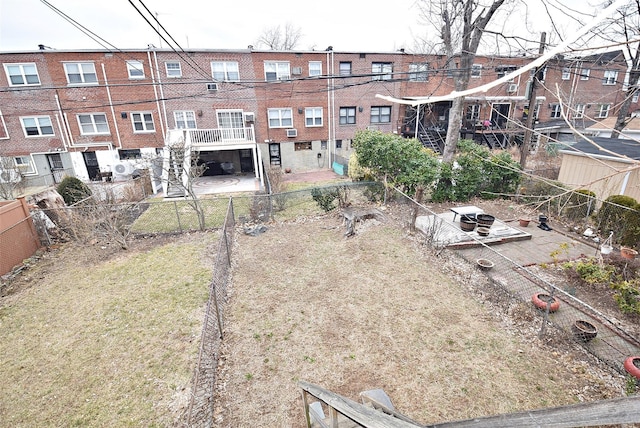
<point x="485" y="220"/>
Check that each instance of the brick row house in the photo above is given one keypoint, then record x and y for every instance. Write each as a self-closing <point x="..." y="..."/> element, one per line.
<point x="97" y="114"/>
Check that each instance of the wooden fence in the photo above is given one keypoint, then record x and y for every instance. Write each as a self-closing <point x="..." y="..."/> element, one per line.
<point x="18" y="236"/>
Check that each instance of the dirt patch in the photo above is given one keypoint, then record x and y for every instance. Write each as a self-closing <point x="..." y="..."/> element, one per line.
<point x="380" y="310"/>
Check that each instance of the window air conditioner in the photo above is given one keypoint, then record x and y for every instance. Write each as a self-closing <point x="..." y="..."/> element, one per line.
<point x="296" y="71"/>
<point x="212" y="86"/>
<point x="513" y="87"/>
<point x="249" y="117"/>
<point x="292" y="132"/>
<point x="284" y="77"/>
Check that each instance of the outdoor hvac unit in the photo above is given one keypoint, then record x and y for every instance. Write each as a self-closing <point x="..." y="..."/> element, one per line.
<point x="122" y="168"/>
<point x="292" y="133"/>
<point x="249" y="116"/>
<point x="513" y="87"/>
<point x="212" y="86"/>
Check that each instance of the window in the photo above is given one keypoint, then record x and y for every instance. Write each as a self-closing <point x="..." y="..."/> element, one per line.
<point x="230" y="119"/>
<point x="603" y="111"/>
<point x="95" y="123"/>
<point x="135" y="69"/>
<point x="419" y="72"/>
<point x="610" y="77"/>
<point x="504" y="70"/>
<point x="579" y="113"/>
<point x="302" y="146"/>
<point x="382" y="70"/>
<point x="81" y="73"/>
<point x="566" y="73"/>
<point x="24" y="164"/>
<point x="345" y="68"/>
<point x="225" y="71"/>
<point x="584" y="73"/>
<point x="3" y="128"/>
<point x="313" y="116"/>
<point x="37" y="126"/>
<point x="473" y="112"/>
<point x="347" y="115"/>
<point x="276" y="71"/>
<point x="142" y="122"/>
<point x="185" y="119"/>
<point x="476" y="71"/>
<point x="338" y="144"/>
<point x="280" y="118"/>
<point x="381" y="114"/>
<point x="174" y="69"/>
<point x="129" y="154"/>
<point x="635" y="97"/>
<point x="22" y="74"/>
<point x="315" y="68"/>
<point x="556" y="111"/>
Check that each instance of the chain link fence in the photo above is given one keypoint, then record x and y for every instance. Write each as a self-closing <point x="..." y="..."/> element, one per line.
<point x="574" y="319"/>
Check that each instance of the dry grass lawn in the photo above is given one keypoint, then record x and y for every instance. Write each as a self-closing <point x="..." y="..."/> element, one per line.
<point x="378" y="310"/>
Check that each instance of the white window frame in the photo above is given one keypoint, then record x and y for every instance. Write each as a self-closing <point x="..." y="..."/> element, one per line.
<point x="315" y="68"/>
<point x="280" y="117"/>
<point x="382" y="70"/>
<point x="172" y="71"/>
<point x="184" y="117"/>
<point x="584" y="73"/>
<point x="230" y="118"/>
<point x="85" y="70"/>
<point x="610" y="77"/>
<point x="19" y="162"/>
<point x="377" y="112"/>
<point x="345" y="118"/>
<point x="419" y="72"/>
<point x="313" y="117"/>
<point x="4" y="127"/>
<point x="603" y="111"/>
<point x="556" y="111"/>
<point x="472" y="112"/>
<point x="39" y="125"/>
<point x="476" y="71"/>
<point x="579" y="111"/>
<point x="566" y="73"/>
<point x="94" y="123"/>
<point x="277" y="70"/>
<point x="225" y="71"/>
<point x="22" y="73"/>
<point x="142" y="118"/>
<point x="345" y="68"/>
<point x="135" y="68"/>
<point x="635" y="97"/>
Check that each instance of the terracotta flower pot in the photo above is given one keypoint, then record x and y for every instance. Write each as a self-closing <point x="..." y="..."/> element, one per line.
<point x="541" y="300"/>
<point x="524" y="222"/>
<point x="584" y="331"/>
<point x="632" y="366"/>
<point x="628" y="253"/>
<point x="485" y="264"/>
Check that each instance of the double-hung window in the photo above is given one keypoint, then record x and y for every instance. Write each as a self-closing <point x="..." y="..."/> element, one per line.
<point x="345" y="68"/>
<point x="80" y="73"/>
<point x="610" y="77"/>
<point x="347" y="115"/>
<point x="584" y="73"/>
<point x="381" y="114"/>
<point x="142" y="122"/>
<point x="277" y="70"/>
<point x="225" y="71"/>
<point x="418" y="72"/>
<point x="313" y="116"/>
<point x="135" y="69"/>
<point x="556" y="111"/>
<point x="579" y="112"/>
<point x="473" y="112"/>
<point x="24" y="164"/>
<point x="315" y="68"/>
<point x="280" y="118"/>
<point x="174" y="69"/>
<point x="37" y="126"/>
<point x="381" y="70"/>
<point x="230" y="119"/>
<point x="476" y="71"/>
<point x="185" y="119"/>
<point x="22" y="74"/>
<point x="93" y="123"/>
<point x="603" y="111"/>
<point x="566" y="73"/>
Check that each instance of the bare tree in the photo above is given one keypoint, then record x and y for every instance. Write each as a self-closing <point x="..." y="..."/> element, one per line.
<point x="460" y="25"/>
<point x="11" y="180"/>
<point x="280" y="39"/>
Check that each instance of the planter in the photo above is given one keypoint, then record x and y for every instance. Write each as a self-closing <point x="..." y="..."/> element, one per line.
<point x="483" y="231"/>
<point x="287" y="170"/>
<point x="584" y="331"/>
<point x="485" y="264"/>
<point x="485" y="219"/>
<point x="606" y="249"/>
<point x="632" y="366"/>
<point x="467" y="223"/>
<point x="524" y="222"/>
<point x="628" y="253"/>
<point x="541" y="300"/>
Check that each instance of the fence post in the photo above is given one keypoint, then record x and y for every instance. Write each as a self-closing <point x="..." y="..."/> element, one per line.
<point x="175" y="207"/>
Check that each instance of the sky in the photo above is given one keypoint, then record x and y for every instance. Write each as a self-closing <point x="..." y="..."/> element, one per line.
<point x="347" y="25"/>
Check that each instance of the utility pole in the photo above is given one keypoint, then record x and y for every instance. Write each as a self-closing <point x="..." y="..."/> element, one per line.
<point x="528" y="132"/>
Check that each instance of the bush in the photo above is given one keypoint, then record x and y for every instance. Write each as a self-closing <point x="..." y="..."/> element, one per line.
<point x="627" y="296"/>
<point x="631" y="235"/>
<point x="73" y="190"/>
<point x="613" y="215"/>
<point x="325" y="198"/>
<point x="501" y="175"/>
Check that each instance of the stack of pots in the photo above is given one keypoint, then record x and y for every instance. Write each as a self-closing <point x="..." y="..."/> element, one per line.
<point x="484" y="223"/>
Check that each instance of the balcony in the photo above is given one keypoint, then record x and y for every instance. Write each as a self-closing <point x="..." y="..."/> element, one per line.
<point x="211" y="139"/>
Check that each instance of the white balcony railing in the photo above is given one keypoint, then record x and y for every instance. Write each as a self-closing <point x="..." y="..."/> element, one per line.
<point x="211" y="137"/>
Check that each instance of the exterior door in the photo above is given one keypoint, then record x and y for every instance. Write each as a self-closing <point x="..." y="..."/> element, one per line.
<point x="246" y="160"/>
<point x="500" y="114"/>
<point x="231" y="123"/>
<point x="56" y="167"/>
<point x="91" y="162"/>
<point x="274" y="154"/>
